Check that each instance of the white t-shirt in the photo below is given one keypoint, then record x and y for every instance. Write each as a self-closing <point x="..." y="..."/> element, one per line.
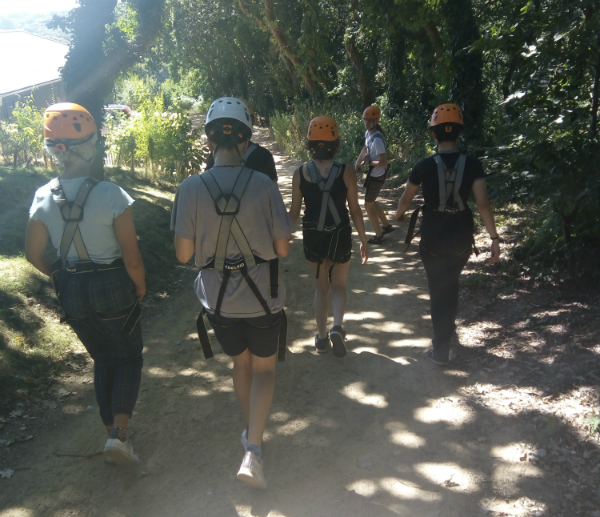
<point x="104" y="204"/>
<point x="375" y="147"/>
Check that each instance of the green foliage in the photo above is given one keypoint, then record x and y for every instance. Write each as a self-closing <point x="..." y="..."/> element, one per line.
<point x="21" y="140"/>
<point x="160" y="140"/>
<point x="594" y="423"/>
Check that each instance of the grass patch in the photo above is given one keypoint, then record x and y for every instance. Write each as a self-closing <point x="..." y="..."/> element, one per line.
<point x="34" y="345"/>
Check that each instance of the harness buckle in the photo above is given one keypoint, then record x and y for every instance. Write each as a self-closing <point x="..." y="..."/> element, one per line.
<point x="449" y="210"/>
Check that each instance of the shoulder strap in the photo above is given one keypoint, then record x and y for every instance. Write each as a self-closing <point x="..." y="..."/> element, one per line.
<point x="460" y="170"/>
<point x="251" y="148"/>
<point x="227" y="206"/>
<point x="72" y="214"/>
<point x="441" y="174"/>
<point x="325" y="186"/>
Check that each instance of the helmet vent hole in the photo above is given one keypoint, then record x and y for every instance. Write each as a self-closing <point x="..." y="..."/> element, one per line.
<point x="77" y="127"/>
<point x="64" y="115"/>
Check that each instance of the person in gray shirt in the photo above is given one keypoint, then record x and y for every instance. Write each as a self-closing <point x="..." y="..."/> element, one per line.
<point x="234" y="222"/>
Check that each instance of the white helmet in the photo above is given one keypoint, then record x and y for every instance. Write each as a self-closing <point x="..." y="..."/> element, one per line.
<point x="229" y="107"/>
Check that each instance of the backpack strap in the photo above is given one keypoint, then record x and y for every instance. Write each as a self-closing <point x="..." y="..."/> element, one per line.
<point x="325" y="186"/>
<point x="72" y="214"/>
<point x="251" y="148"/>
<point x="460" y="170"/>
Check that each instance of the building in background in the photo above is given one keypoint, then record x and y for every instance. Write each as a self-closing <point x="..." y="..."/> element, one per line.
<point x="30" y="66"/>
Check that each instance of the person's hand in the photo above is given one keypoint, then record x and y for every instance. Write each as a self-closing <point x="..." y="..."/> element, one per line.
<point x="400" y="216"/>
<point x="364" y="251"/>
<point x="495" y="252"/>
<point x="140" y="291"/>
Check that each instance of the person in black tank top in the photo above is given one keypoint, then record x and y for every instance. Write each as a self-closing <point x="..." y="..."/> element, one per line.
<point x="447" y="227"/>
<point x="330" y="197"/>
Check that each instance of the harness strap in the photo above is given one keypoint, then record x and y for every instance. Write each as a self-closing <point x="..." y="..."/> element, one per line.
<point x="255" y="290"/>
<point x="228" y="206"/>
<point x="251" y="148"/>
<point x="410" y="232"/>
<point x="281" y="345"/>
<point x="325" y="186"/>
<point x="221" y="295"/>
<point x="274" y="277"/>
<point x="455" y="177"/>
<point x="72" y="214"/>
<point x="203" y="336"/>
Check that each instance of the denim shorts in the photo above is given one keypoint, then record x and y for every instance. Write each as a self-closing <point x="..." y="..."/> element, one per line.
<point x="259" y="335"/>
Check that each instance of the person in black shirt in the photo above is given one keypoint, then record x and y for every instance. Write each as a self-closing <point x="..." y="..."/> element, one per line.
<point x="447" y="227"/>
<point x="256" y="157"/>
<point x="330" y="197"/>
<point x="259" y="159"/>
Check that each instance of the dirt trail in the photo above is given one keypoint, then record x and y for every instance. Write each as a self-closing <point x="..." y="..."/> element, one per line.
<point x="381" y="432"/>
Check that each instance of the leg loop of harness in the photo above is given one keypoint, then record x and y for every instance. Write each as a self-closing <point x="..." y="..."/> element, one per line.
<point x="203" y="336"/>
<point x="282" y="344"/>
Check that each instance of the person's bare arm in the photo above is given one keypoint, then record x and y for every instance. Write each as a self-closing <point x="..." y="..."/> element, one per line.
<point x="184" y="249"/>
<point x="356" y="211"/>
<point x="382" y="162"/>
<point x="36" y="240"/>
<point x="126" y="235"/>
<point x="282" y="247"/>
<point x="361" y="159"/>
<point x="487" y="216"/>
<point x="296" y="197"/>
<point x="405" y="200"/>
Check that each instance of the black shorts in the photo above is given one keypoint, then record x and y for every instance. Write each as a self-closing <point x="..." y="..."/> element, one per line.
<point x="335" y="245"/>
<point x="373" y="186"/>
<point x="259" y="335"/>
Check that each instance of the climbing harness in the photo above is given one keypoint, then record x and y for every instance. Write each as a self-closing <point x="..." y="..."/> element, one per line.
<point x="227" y="206"/>
<point x="325" y="185"/>
<point x="72" y="214"/>
<point x="375" y="136"/>
<point x="449" y="181"/>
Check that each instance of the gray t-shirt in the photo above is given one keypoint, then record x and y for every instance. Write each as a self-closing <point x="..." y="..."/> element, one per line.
<point x="104" y="204"/>
<point x="263" y="219"/>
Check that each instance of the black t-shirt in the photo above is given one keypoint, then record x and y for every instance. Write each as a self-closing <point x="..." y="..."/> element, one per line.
<point x="425" y="173"/>
<point x="260" y="160"/>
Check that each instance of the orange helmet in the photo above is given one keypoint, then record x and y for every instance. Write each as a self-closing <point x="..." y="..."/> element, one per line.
<point x="446" y="114"/>
<point x="372" y="112"/>
<point x="323" y="128"/>
<point x="68" y="121"/>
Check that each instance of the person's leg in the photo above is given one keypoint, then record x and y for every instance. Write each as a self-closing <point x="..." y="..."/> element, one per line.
<point x="321" y="300"/>
<point x="339" y="278"/>
<point x="381" y="215"/>
<point x="261" y="396"/>
<point x="370" y="207"/>
<point x="242" y="382"/>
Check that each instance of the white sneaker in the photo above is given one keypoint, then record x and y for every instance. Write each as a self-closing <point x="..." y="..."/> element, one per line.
<point x="119" y="451"/>
<point x="251" y="471"/>
<point x="244" y="439"/>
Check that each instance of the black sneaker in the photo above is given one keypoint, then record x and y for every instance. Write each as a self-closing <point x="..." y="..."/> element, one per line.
<point x="322" y="344"/>
<point x="439" y="357"/>
<point x="338" y="339"/>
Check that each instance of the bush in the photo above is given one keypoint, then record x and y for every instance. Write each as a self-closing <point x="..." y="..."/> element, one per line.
<point x="159" y="140"/>
<point x="21" y="140"/>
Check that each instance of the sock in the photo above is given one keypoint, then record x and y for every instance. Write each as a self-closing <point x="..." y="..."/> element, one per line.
<point x="256" y="449"/>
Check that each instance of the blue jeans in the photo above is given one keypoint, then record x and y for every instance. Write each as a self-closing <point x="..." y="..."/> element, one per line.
<point x="97" y="306"/>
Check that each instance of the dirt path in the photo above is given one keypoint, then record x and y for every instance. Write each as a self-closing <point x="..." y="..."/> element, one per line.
<point x="381" y="432"/>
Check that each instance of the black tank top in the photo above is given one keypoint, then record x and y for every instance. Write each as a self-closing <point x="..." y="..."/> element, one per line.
<point x="313" y="196"/>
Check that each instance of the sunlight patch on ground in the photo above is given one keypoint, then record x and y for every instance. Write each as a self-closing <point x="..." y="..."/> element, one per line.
<point x="16" y="512"/>
<point x="393" y="327"/>
<point x="403" y="489"/>
<point x="386" y="291"/>
<point x="243" y="509"/>
<point x="366" y="349"/>
<point x="407" y="439"/>
<point x="444" y="410"/>
<point x="515" y="507"/>
<point x="199" y="392"/>
<point x="355" y="391"/>
<point x="507" y="477"/>
<point x="156" y="371"/>
<point x="280" y="416"/>
<point x="188" y="372"/>
<point x="364" y="487"/>
<point x="293" y="427"/>
<point x="363" y="316"/>
<point x="455" y="373"/>
<point x="448" y="476"/>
